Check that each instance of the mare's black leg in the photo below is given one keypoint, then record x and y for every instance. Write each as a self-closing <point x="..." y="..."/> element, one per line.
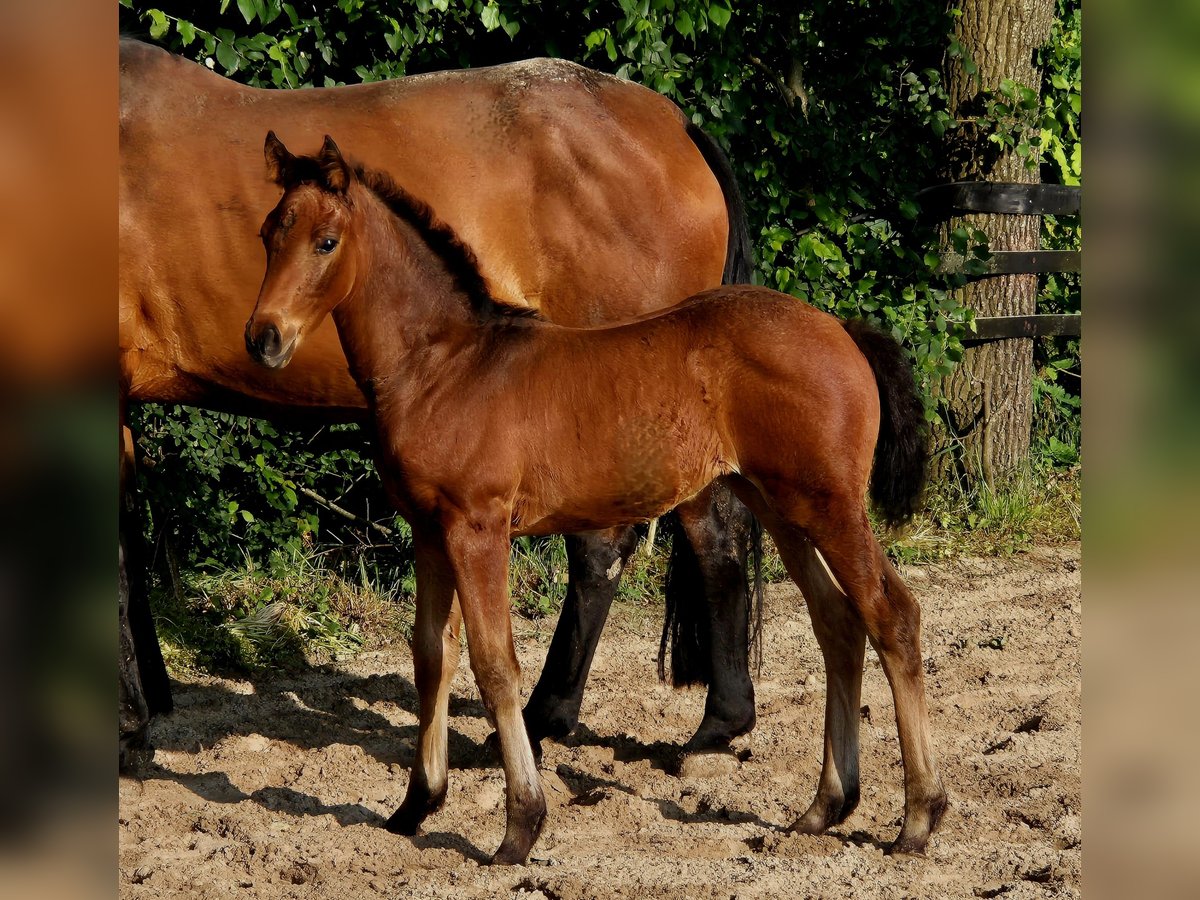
<point x="145" y="689"/>
<point x="595" y="563"/>
<point x="133" y="715"/>
<point x="709" y="587"/>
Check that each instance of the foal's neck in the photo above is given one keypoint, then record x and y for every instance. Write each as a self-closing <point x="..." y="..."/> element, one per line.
<point x="409" y="309"/>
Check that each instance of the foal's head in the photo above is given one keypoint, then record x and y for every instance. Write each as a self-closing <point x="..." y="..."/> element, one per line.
<point x="309" y="236"/>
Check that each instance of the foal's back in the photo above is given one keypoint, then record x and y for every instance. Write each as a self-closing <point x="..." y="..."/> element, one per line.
<point x="736" y="380"/>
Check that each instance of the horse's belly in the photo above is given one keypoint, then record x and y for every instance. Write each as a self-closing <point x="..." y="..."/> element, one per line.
<point x="625" y="488"/>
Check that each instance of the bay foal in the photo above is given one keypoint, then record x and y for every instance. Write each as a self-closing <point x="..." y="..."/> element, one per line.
<point x="492" y="423"/>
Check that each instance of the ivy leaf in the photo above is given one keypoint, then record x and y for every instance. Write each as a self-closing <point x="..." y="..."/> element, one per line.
<point x="227" y="56"/>
<point x="490" y="16"/>
<point x="720" y="15"/>
<point x="159" y="25"/>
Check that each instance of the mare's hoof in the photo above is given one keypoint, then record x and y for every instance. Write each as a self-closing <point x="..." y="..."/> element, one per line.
<point x="707" y="764"/>
<point x="135" y="752"/>
<point x="412" y="812"/>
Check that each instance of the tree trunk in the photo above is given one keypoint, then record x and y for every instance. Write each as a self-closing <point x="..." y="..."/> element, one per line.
<point x="988" y="397"/>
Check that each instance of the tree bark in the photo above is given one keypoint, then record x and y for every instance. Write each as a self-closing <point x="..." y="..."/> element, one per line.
<point x="988" y="398"/>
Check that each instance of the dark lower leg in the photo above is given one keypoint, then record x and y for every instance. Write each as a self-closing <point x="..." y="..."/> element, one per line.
<point x="153" y="682"/>
<point x="719" y="529"/>
<point x="595" y="562"/>
<point x="133" y="716"/>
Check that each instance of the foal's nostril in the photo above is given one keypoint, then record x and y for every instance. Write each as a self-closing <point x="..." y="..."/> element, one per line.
<point x="266" y="346"/>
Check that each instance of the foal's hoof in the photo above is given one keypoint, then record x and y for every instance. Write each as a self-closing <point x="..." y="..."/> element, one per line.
<point x="914" y="835"/>
<point x="511" y="856"/>
<point x="520" y="836"/>
<point x="824" y="813"/>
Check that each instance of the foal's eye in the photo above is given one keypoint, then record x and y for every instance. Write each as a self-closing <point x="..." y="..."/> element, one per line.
<point x="326" y="245"/>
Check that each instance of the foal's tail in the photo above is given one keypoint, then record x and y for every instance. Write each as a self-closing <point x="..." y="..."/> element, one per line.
<point x="902" y="452"/>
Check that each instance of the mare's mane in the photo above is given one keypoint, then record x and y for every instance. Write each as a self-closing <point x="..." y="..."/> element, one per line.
<point x="459" y="259"/>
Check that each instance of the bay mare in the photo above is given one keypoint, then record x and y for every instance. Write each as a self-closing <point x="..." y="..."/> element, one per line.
<point x="482" y="411"/>
<point x="586" y="197"/>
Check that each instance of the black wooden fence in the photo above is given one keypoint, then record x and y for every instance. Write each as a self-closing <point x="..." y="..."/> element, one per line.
<point x="946" y="200"/>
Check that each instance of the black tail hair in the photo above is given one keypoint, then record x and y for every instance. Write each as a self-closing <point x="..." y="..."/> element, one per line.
<point x="685" y="621"/>
<point x="902" y="453"/>
<point x="685" y="626"/>
<point x="739" y="255"/>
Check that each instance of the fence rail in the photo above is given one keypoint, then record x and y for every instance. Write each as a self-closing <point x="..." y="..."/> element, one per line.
<point x="942" y="201"/>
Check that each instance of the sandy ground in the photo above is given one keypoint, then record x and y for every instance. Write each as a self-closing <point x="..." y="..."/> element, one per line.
<point x="278" y="788"/>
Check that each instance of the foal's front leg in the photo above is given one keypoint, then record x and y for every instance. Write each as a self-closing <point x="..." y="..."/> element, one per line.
<point x="435" y="659"/>
<point x="478" y="550"/>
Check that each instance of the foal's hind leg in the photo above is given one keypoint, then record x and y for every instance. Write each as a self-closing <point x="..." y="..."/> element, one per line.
<point x="842" y="635"/>
<point x="435" y="659"/>
<point x="893" y="623"/>
<point x="595" y="561"/>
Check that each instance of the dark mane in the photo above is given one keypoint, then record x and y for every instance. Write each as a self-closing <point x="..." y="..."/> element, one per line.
<point x="459" y="259"/>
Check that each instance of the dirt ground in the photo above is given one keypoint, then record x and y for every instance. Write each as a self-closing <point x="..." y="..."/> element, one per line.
<point x="278" y="788"/>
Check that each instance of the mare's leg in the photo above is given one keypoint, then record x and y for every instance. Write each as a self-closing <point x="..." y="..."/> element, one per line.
<point x="595" y="561"/>
<point x="133" y="715"/>
<point x="144" y="688"/>
<point x="719" y="530"/>
<point x="893" y="623"/>
<point x="842" y="635"/>
<point x="435" y="658"/>
<point x="478" y="550"/>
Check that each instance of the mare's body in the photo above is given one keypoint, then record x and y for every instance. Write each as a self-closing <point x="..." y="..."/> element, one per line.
<point x="585" y="196"/>
<point x="738" y="385"/>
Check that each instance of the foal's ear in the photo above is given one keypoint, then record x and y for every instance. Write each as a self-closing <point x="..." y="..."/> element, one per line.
<point x="279" y="160"/>
<point x="333" y="166"/>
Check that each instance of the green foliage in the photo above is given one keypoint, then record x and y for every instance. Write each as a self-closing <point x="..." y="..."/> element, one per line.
<point x="834" y="115"/>
<point x="1057" y="383"/>
<point x="538" y="575"/>
<point x="1039" y="503"/>
<point x="220" y="487"/>
<point x="291" y="609"/>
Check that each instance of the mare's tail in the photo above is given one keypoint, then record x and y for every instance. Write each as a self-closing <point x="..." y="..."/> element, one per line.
<point x="739" y="255"/>
<point x="902" y="453"/>
<point x="686" y="625"/>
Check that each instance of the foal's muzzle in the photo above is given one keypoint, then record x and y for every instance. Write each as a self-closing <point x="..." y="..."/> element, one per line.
<point x="268" y="348"/>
